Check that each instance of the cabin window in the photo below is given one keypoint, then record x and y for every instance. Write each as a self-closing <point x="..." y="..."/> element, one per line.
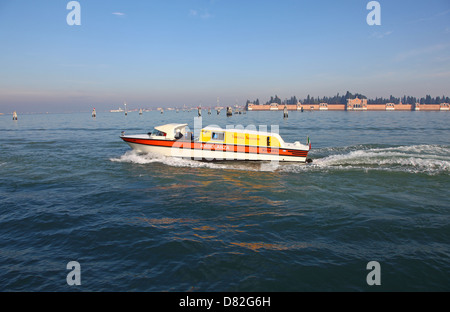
<point x="219" y="136"/>
<point x="178" y="135"/>
<point x="159" y="133"/>
<point x="268" y="141"/>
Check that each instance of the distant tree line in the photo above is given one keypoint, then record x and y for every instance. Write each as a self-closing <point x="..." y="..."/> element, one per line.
<point x="342" y="99"/>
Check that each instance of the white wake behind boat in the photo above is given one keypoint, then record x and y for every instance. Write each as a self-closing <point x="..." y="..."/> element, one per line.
<point x="173" y="140"/>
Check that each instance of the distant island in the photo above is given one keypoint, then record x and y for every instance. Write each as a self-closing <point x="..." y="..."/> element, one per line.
<point x="352" y="102"/>
<point x="342" y="99"/>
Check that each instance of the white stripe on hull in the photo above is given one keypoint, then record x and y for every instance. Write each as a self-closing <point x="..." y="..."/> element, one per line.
<point x="198" y="154"/>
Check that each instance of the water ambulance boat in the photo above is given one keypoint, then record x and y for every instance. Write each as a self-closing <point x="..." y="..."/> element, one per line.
<point x="173" y="140"/>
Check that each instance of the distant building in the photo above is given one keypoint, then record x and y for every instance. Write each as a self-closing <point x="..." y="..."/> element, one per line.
<point x="356" y="104"/>
<point x="273" y="106"/>
<point x="390" y="106"/>
<point x="323" y="106"/>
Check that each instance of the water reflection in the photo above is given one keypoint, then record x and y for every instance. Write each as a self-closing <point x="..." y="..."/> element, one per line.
<point x="165" y="223"/>
<point x="271" y="246"/>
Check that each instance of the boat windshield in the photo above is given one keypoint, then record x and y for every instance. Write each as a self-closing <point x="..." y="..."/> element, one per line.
<point x="158" y="133"/>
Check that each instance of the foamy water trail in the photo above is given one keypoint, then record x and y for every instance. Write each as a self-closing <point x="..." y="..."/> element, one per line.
<point x="427" y="159"/>
<point x="138" y="158"/>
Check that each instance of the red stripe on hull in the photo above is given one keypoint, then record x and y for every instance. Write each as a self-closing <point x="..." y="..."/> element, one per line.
<point x="219" y="147"/>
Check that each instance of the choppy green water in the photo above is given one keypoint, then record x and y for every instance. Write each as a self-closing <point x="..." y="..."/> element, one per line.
<point x="377" y="190"/>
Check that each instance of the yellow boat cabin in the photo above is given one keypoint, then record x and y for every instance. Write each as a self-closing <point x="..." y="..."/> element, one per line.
<point x="241" y="137"/>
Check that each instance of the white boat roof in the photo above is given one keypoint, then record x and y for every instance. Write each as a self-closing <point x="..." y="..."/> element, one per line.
<point x="170" y="129"/>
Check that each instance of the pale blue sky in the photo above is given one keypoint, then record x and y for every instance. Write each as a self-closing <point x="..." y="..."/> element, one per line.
<point x="174" y="52"/>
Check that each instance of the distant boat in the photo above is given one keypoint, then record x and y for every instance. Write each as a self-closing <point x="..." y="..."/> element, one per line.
<point x="120" y="110"/>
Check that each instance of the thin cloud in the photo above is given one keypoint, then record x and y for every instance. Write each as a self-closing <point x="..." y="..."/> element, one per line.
<point x="439" y="75"/>
<point x="206" y="15"/>
<point x="443" y="13"/>
<point x="421" y="51"/>
<point x="203" y="14"/>
<point x="379" y="35"/>
<point x="118" y="13"/>
<point x="431" y="18"/>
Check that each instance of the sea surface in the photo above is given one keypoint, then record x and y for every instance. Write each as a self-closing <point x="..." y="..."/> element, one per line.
<point x="377" y="190"/>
